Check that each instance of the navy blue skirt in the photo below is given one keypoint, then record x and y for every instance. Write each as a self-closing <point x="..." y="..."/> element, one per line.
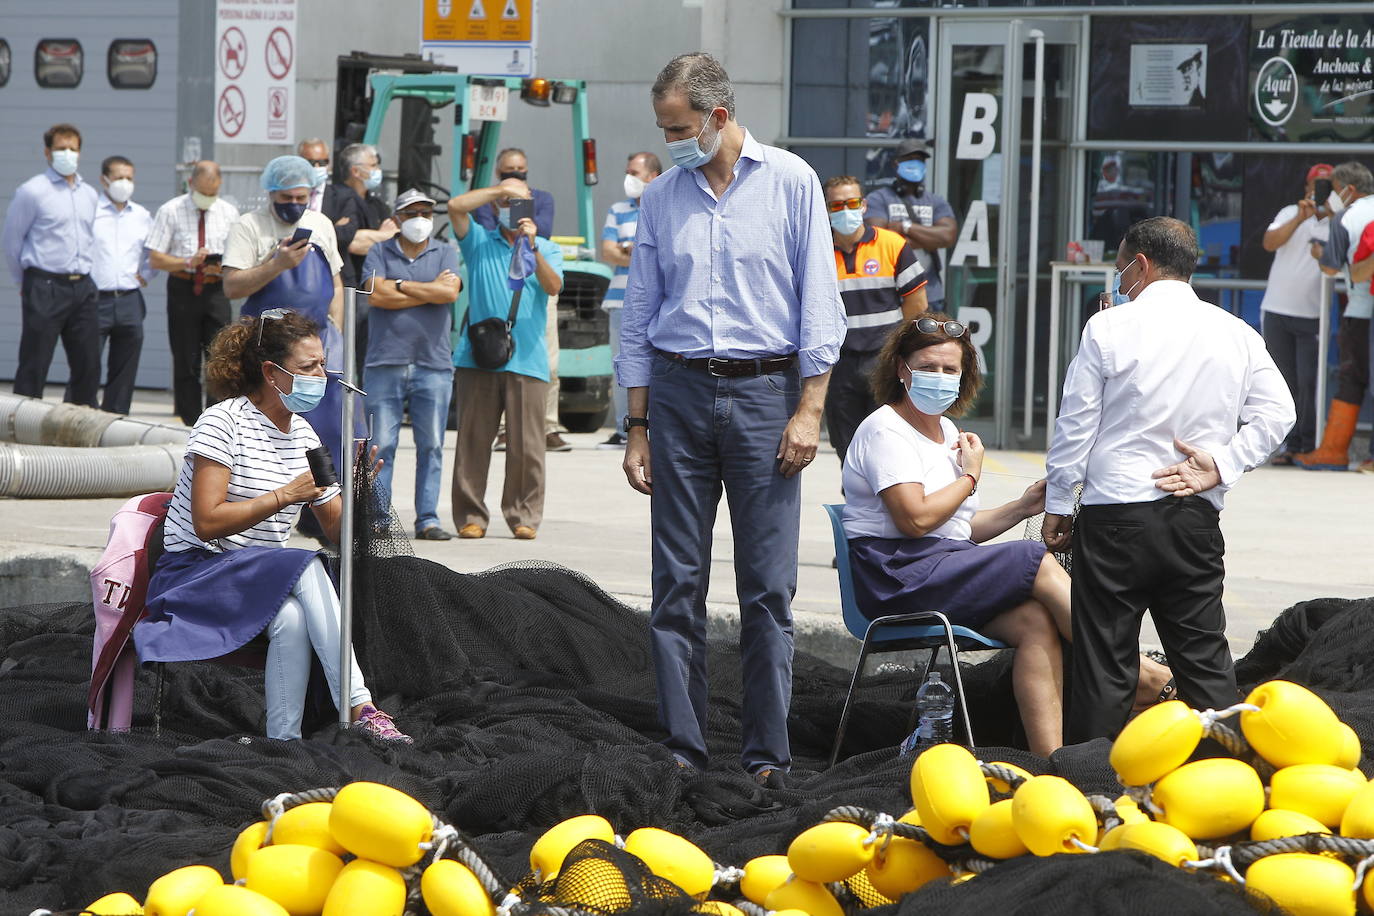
<point x="204" y="605"/>
<point x="970" y="583"/>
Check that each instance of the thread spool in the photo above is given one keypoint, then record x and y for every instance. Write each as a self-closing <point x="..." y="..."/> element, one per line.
<point x="321" y="466"/>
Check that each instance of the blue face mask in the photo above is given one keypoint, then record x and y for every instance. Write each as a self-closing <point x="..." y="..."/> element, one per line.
<point x="306" y="392"/>
<point x="847" y="222"/>
<point x="373" y="180"/>
<point x="689" y="154"/>
<point x="912" y="171"/>
<point x="1118" y="297"/>
<point x="932" y="392"/>
<point x="289" y="213"/>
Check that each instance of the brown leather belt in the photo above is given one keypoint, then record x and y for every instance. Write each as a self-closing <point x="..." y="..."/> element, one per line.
<point x="735" y="368"/>
<point x="190" y="277"/>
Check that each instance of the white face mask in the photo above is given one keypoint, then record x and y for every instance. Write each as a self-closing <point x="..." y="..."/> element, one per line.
<point x="64" y="162"/>
<point x="1336" y="202"/>
<point x="634" y="186"/>
<point x="120" y="190"/>
<point x="417" y="228"/>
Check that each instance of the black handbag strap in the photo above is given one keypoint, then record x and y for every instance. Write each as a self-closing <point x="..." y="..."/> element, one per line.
<point x="510" y="316"/>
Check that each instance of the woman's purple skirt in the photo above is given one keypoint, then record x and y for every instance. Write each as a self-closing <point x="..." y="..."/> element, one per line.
<point x="204" y="605"/>
<point x="969" y="583"/>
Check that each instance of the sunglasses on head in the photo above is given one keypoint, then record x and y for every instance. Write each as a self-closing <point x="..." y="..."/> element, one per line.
<point x="851" y="203"/>
<point x="270" y="315"/>
<point x="930" y="326"/>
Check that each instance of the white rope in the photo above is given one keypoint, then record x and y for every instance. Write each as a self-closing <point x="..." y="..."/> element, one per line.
<point x="619" y="841"/>
<point x="274" y="807"/>
<point x="1360" y="870"/>
<point x="725" y="875"/>
<point x="439" y="842"/>
<point x="881" y="829"/>
<point x="1221" y="858"/>
<point x="1084" y="847"/>
<point x="1210" y="717"/>
<point x="506" y="905"/>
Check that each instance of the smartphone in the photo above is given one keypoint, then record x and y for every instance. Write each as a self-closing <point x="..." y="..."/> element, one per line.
<point x="521" y="208"/>
<point x="1321" y="190"/>
<point x="301" y="234"/>
<point x="214" y="258"/>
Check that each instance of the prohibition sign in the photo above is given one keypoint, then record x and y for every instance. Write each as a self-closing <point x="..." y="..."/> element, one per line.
<point x="233" y="53"/>
<point x="279" y="53"/>
<point x="230" y="111"/>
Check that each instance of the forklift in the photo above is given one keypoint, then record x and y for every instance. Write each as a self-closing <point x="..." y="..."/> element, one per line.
<point x="369" y="87"/>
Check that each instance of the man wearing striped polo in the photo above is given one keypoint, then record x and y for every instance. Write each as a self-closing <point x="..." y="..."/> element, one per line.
<point x="882" y="284"/>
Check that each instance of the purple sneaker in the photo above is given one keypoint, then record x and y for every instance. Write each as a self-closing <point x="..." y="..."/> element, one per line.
<point x="379" y="725"/>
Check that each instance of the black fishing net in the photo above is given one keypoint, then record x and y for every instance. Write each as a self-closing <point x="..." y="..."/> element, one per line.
<point x="530" y="695"/>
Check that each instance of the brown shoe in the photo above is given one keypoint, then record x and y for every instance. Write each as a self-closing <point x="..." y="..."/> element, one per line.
<point x="500" y="445"/>
<point x="556" y="443"/>
<point x="471" y="531"/>
<point x="524" y="533"/>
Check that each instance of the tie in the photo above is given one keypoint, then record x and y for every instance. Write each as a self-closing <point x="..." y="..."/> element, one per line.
<point x="199" y="285"/>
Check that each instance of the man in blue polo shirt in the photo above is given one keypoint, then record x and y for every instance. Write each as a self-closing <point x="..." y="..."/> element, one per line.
<point x="409" y="359"/>
<point x="518" y="387"/>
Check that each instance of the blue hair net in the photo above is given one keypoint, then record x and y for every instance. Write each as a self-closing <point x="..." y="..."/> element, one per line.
<point x="287" y="172"/>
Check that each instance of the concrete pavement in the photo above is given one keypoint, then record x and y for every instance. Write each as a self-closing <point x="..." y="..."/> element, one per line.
<point x="1291" y="535"/>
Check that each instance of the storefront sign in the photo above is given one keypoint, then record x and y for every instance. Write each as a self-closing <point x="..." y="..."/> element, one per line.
<point x="1311" y="78"/>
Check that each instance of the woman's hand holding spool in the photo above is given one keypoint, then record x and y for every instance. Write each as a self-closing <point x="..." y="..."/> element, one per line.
<point x="300" y="490"/>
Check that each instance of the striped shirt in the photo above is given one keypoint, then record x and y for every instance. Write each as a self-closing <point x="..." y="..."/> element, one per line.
<point x="875" y="279"/>
<point x="176" y="227"/>
<point x="621" y="222"/>
<point x="260" y="459"/>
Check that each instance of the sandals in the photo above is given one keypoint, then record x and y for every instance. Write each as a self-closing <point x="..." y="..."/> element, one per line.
<point x="378" y="724"/>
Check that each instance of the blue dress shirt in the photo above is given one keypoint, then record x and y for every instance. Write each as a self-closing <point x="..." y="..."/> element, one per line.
<point x="119" y="258"/>
<point x="749" y="275"/>
<point x="49" y="226"/>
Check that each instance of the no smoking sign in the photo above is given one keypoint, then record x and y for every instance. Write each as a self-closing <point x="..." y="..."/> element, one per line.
<point x="230" y="111"/>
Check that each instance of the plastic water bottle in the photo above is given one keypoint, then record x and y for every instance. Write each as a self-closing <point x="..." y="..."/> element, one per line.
<point x="935" y="706"/>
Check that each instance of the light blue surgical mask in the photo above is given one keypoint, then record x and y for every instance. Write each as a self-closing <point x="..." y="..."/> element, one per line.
<point x="306" y="392"/>
<point x="912" y="171"/>
<point x="932" y="392"/>
<point x="847" y="222"/>
<point x="689" y="154"/>
<point x="1119" y="297"/>
<point x="374" y="180"/>
<point x="64" y="162"/>
<point x="320" y="174"/>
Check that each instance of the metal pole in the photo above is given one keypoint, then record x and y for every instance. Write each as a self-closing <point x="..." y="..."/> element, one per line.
<point x="346" y="457"/>
<point x="1323" y="345"/>
<point x="1032" y="258"/>
<point x="1052" y="387"/>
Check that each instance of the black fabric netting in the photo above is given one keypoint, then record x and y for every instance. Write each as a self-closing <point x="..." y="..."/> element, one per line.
<point x="530" y="695"/>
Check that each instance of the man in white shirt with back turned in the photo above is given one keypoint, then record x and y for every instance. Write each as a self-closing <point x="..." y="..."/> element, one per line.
<point x="1161" y="375"/>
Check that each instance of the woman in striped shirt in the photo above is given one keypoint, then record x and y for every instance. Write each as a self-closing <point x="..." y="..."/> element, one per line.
<point x="227" y="574"/>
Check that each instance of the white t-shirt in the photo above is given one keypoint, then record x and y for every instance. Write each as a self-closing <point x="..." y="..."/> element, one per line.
<point x="254" y="237"/>
<point x="260" y="459"/>
<point x="1295" y="280"/>
<point x="887" y="450"/>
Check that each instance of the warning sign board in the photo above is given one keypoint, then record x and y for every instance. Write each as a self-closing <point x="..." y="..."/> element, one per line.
<point x="494" y="37"/>
<point x="255" y="81"/>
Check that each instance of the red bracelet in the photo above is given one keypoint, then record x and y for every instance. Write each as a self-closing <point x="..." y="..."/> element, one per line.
<point x="973" y="480"/>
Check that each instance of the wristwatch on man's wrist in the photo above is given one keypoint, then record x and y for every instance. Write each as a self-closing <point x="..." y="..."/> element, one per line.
<point x="630" y="422"/>
<point x="398" y="283"/>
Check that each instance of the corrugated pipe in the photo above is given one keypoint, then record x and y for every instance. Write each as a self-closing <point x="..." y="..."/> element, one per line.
<point x="32" y="421"/>
<point x="52" y="472"/>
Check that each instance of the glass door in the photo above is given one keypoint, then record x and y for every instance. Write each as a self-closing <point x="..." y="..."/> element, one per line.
<point x="986" y="84"/>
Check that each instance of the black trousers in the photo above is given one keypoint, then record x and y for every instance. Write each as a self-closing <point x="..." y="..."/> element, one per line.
<point x="121" y="326"/>
<point x="1166" y="556"/>
<point x="849" y="399"/>
<point x="192" y="322"/>
<point x="1292" y="342"/>
<point x="59" y="309"/>
<point x="1352" y="343"/>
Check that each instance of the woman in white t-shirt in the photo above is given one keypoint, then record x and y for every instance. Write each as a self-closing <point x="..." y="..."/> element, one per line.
<point x="916" y="530"/>
<point x="227" y="574"/>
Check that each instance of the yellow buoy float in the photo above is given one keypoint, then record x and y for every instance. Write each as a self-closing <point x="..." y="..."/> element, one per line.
<point x="993" y="833"/>
<point x="380" y="823"/>
<point x="450" y="888"/>
<point x="1159" y="840"/>
<point x="298" y="877"/>
<point x="808" y="896"/>
<point x="1276" y="822"/>
<point x="307" y="825"/>
<point x="1160" y="739"/>
<point x="1321" y="791"/>
<point x="177" y="891"/>
<point x="762" y="875"/>
<point x="1001" y="786"/>
<point x="549" y="851"/>
<point x="830" y="852"/>
<point x="366" y="888"/>
<point x="1351" y="752"/>
<point x="232" y="900"/>
<point x="718" y="908"/>
<point x="1305" y="884"/>
<point x="670" y="856"/>
<point x="1292" y="725"/>
<point x="593" y="882"/>
<point x="1050" y="814"/>
<point x="120" y="904"/>
<point x="905" y="866"/>
<point x="248" y="842"/>
<point x="1207" y="799"/>
<point x="948" y="790"/>
<point x="1358" y="818"/>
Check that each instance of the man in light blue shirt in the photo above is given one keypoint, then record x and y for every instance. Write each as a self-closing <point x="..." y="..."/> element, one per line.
<point x="48" y="239"/>
<point x="732" y="320"/>
<point x="120" y="269"/>
<point x="518" y="388"/>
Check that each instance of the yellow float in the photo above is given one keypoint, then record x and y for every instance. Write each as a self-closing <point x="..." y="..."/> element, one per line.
<point x="1320" y="791"/>
<point x="177" y="891"/>
<point x="307" y="825"/>
<point x="114" y="905"/>
<point x="1304" y="884"/>
<point x="762" y="875"/>
<point x="1049" y="814"/>
<point x="232" y="900"/>
<point x="670" y="856"/>
<point x="999" y="785"/>
<point x="297" y="877"/>
<point x="715" y="908"/>
<point x="1277" y="822"/>
<point x="549" y="851"/>
<point x="366" y="888"/>
<point x="450" y="888"/>
<point x="948" y="790"/>
<point x="1350" y="748"/>
<point x="993" y="833"/>
<point x="1292" y="725"/>
<point x="808" y="896"/>
<point x="830" y="852"/>
<point x="905" y="866"/>
<point x="1159" y="840"/>
<point x="380" y="823"/>
<point x="1160" y="739"/>
<point x="593" y="882"/>
<point x="1207" y="799"/>
<point x="248" y="842"/>
<point x="1358" y="818"/>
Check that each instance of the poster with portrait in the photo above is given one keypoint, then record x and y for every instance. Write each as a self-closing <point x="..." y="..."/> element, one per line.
<point x="1312" y="78"/>
<point x="1168" y="76"/>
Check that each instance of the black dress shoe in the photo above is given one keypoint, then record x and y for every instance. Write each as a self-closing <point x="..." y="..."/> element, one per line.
<point x="771" y="778"/>
<point x="433" y="533"/>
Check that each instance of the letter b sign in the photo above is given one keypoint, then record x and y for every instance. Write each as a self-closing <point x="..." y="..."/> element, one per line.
<point x="977" y="126"/>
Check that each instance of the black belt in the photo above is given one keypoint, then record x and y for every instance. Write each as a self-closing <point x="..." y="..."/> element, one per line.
<point x="736" y="368"/>
<point x="115" y="293"/>
<point x="65" y="278"/>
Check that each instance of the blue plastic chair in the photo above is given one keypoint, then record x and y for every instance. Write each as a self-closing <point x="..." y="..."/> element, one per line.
<point x="898" y="633"/>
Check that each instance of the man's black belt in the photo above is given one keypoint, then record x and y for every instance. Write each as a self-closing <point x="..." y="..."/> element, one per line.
<point x="65" y="278"/>
<point x="115" y="293"/>
<point x="736" y="368"/>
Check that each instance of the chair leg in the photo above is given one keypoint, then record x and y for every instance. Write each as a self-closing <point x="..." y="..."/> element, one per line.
<point x="959" y="685"/>
<point x="848" y="701"/>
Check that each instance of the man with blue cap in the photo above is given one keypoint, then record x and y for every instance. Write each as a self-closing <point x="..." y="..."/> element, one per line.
<point x="924" y="219"/>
